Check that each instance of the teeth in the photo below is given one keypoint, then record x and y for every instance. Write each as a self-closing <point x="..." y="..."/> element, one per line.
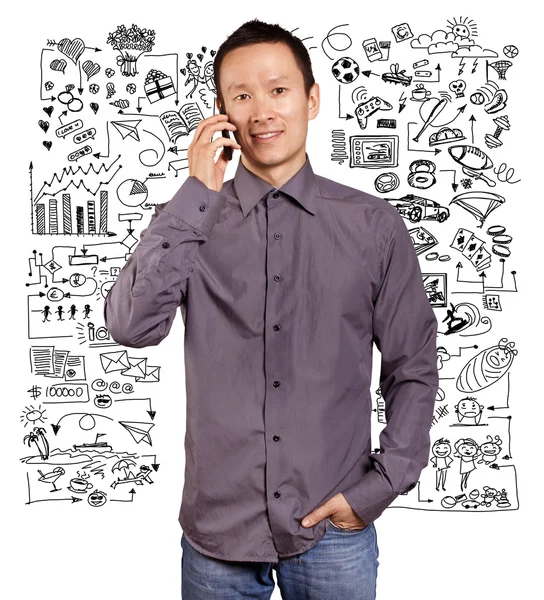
<point x="267" y="135"/>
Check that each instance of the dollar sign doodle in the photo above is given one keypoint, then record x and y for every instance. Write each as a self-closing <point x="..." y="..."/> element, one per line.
<point x="34" y="391"/>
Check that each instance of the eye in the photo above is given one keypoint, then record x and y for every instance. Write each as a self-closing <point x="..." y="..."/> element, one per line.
<point x="240" y="95"/>
<point x="280" y="88"/>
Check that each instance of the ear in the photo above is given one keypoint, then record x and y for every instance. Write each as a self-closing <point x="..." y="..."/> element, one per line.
<point x="314" y="101"/>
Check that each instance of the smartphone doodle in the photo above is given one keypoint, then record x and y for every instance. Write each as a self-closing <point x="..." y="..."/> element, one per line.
<point x="226" y="149"/>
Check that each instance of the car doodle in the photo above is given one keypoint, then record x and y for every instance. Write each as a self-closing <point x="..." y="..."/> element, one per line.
<point x="416" y="208"/>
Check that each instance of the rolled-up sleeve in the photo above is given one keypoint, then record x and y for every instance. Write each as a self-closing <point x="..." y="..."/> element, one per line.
<point x="404" y="331"/>
<point x="140" y="307"/>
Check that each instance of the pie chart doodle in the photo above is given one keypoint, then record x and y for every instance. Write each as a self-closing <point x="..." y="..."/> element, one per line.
<point x="132" y="192"/>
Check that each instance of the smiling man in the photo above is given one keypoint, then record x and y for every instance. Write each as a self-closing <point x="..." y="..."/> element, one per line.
<point x="285" y="280"/>
<point x="270" y="107"/>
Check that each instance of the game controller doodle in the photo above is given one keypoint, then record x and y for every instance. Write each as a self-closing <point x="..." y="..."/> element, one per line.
<point x="369" y="107"/>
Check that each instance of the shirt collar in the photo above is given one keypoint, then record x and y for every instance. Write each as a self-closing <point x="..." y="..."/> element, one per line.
<point x="250" y="188"/>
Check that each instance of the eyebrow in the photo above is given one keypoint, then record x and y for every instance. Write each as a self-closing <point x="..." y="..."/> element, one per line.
<point x="235" y="86"/>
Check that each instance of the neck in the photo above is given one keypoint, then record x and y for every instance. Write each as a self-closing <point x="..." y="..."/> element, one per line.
<point x="277" y="175"/>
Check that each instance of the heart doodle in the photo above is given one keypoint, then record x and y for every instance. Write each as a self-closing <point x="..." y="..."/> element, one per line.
<point x="90" y="68"/>
<point x="48" y="145"/>
<point x="94" y="107"/>
<point x="58" y="64"/>
<point x="44" y="125"/>
<point x="48" y="110"/>
<point x="73" y="49"/>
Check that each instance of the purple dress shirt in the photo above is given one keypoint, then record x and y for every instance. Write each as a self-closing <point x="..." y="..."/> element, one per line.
<point x="282" y="294"/>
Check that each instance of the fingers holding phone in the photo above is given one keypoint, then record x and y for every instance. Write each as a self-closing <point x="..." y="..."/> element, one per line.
<point x="201" y="151"/>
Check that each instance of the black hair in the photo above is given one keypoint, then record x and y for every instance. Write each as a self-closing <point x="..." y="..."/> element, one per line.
<point x="258" y="32"/>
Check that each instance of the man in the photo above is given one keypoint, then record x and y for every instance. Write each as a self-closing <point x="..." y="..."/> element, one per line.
<point x="284" y="280"/>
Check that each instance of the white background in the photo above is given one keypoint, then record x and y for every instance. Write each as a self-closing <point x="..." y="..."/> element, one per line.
<point x="61" y="551"/>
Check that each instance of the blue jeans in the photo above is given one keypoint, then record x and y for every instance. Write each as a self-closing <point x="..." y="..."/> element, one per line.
<point x="343" y="564"/>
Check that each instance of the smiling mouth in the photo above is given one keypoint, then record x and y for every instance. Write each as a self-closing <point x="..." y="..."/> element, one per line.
<point x="267" y="137"/>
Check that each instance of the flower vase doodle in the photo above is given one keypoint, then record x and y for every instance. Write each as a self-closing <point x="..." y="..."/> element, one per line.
<point x="422" y="117"/>
<point x="131" y="43"/>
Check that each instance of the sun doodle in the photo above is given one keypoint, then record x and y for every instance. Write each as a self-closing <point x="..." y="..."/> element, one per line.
<point x="463" y="27"/>
<point x="33" y="415"/>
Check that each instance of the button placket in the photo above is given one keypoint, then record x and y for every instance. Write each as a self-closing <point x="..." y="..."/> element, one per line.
<point x="275" y="367"/>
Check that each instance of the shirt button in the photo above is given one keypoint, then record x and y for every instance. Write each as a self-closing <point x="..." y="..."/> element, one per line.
<point x="277" y="494"/>
<point x="276" y="438"/>
<point x="276" y="327"/>
<point x="276" y="384"/>
<point x="202" y="208"/>
<point x="275" y="195"/>
<point x="277" y="277"/>
<point x="277" y="236"/>
<point x="165" y="245"/>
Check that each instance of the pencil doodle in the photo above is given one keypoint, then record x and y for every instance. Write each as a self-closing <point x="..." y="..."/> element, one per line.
<point x="492" y="139"/>
<point x="416" y="208"/>
<point x="374" y="152"/>
<point x="387" y="182"/>
<point x="402" y="32"/>
<point x="199" y="74"/>
<point x="436" y="288"/>
<point x="422" y="176"/>
<point x="507" y="176"/>
<point x="396" y="76"/>
<point x="470" y="201"/>
<point x="472" y="248"/>
<point x="158" y="86"/>
<point x="465" y="317"/>
<point x="487" y="367"/>
<point x="372" y="50"/>
<point x="458" y="87"/>
<point x="501" y="66"/>
<point x="330" y="36"/>
<point x="345" y="70"/>
<point x="420" y="93"/>
<point x="464" y="27"/>
<point x="131" y="43"/>
<point x="369" y="107"/>
<point x="386" y="123"/>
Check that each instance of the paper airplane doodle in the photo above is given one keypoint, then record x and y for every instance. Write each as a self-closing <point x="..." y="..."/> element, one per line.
<point x="139" y="431"/>
<point x="126" y="128"/>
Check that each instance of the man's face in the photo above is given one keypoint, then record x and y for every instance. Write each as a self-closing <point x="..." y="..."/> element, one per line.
<point x="259" y="105"/>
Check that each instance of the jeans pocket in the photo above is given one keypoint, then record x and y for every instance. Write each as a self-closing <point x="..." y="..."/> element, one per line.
<point x="335" y="527"/>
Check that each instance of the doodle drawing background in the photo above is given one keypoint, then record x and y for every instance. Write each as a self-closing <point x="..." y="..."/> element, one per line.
<point x="434" y="107"/>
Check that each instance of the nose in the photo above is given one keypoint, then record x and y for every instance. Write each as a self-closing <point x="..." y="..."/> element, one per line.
<point x="262" y="109"/>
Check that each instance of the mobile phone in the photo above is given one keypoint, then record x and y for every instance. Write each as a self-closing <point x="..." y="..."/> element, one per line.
<point x="226" y="149"/>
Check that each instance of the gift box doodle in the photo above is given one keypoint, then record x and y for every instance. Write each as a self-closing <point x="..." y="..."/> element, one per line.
<point x="158" y="86"/>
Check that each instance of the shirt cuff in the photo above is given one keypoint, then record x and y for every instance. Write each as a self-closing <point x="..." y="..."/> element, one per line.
<point x="370" y="496"/>
<point x="196" y="204"/>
